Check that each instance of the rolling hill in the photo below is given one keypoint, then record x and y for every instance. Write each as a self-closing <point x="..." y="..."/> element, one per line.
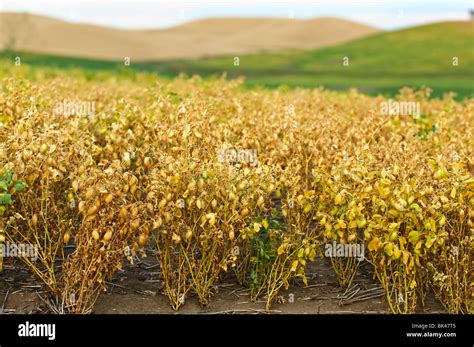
<point x="196" y="39"/>
<point x="383" y="62"/>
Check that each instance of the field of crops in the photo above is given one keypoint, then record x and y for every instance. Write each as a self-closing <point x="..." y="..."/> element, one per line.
<point x="222" y="182"/>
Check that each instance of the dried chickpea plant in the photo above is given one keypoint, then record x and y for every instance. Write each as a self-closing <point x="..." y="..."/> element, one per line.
<point x="224" y="183"/>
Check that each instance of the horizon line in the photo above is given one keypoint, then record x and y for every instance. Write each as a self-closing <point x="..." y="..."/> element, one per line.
<point x="193" y="20"/>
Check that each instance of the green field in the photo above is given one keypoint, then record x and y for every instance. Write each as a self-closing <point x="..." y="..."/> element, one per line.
<point x="382" y="63"/>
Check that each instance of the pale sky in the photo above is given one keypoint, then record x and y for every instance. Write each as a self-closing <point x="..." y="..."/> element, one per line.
<point x="138" y="14"/>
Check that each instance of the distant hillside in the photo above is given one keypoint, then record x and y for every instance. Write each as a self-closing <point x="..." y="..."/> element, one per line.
<point x="208" y="37"/>
<point x="383" y="63"/>
<point x="416" y="56"/>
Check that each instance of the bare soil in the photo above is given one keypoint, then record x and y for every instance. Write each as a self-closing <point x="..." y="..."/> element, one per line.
<point x="138" y="290"/>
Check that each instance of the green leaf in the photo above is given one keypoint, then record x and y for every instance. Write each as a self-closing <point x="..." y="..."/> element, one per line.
<point x="413" y="236"/>
<point x="430" y="239"/>
<point x="9" y="177"/>
<point x="19" y="186"/>
<point x="3" y="186"/>
<point x="5" y="199"/>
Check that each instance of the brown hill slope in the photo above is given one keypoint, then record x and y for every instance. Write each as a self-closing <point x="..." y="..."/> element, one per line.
<point x="207" y="37"/>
